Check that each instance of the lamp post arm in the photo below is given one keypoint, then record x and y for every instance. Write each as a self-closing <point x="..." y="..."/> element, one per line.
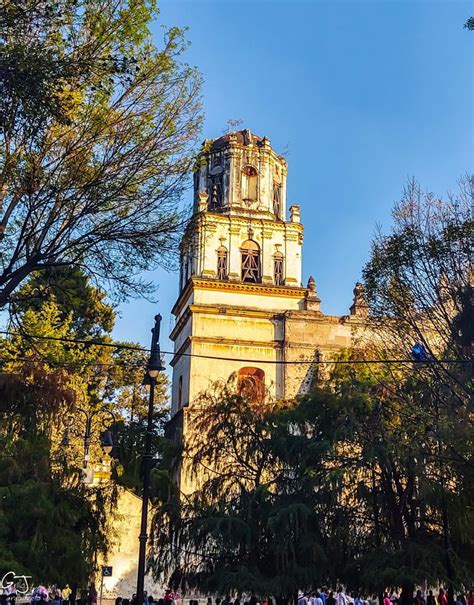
<point x="89" y="417"/>
<point x="105" y="410"/>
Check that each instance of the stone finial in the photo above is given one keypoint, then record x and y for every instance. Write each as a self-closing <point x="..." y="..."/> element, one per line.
<point x="359" y="305"/>
<point x="312" y="300"/>
<point x="247" y="136"/>
<point x="295" y="213"/>
<point x="311" y="284"/>
<point x="202" y="201"/>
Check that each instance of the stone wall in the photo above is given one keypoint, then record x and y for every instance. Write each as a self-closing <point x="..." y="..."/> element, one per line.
<point x="124" y="528"/>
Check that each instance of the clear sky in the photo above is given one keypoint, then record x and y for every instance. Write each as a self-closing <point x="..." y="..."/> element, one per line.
<point x="360" y="94"/>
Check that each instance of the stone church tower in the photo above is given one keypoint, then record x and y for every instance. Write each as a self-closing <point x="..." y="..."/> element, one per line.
<point x="242" y="307"/>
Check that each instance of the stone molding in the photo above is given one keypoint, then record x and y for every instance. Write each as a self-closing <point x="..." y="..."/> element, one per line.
<point x="249" y="288"/>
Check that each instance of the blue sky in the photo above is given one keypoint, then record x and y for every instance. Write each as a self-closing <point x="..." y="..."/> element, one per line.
<point x="361" y="94"/>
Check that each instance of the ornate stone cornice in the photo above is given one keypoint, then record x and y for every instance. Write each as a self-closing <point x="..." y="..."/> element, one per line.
<point x="242" y="220"/>
<point x="179" y="324"/>
<point x="261" y="289"/>
<point x="266" y="344"/>
<point x="233" y="310"/>
<point x="180" y="351"/>
<point x="199" y="283"/>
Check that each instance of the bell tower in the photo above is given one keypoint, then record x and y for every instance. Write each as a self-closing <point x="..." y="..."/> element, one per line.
<point x="240" y="190"/>
<point x="240" y="271"/>
<point x="241" y="310"/>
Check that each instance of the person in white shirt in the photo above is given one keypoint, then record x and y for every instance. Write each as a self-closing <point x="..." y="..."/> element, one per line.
<point x="302" y="600"/>
<point x="341" y="597"/>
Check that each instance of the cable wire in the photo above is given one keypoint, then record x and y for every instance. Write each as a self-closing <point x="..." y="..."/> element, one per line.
<point x="119" y="346"/>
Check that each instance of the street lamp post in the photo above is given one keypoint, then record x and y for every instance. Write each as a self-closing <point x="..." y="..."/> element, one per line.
<point x="154" y="367"/>
<point x="105" y="438"/>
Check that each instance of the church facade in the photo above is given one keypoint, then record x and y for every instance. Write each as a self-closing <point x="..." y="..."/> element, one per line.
<point x="242" y="308"/>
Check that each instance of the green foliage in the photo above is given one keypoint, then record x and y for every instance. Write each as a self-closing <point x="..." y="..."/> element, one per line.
<point x="52" y="525"/>
<point x="129" y="433"/>
<point x="419" y="283"/>
<point x="343" y="485"/>
<point x="70" y="289"/>
<point x="50" y="530"/>
<point x="238" y="531"/>
<point x="97" y="131"/>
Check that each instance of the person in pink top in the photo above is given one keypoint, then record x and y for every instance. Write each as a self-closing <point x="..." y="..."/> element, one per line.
<point x="386" y="599"/>
<point x="442" y="598"/>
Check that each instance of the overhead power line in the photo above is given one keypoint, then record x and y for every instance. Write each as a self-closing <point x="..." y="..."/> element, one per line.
<point x="78" y="364"/>
<point x="88" y="342"/>
<point x="119" y="346"/>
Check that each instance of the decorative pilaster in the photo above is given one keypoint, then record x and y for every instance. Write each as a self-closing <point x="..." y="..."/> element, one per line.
<point x="234" y="252"/>
<point x="202" y="201"/>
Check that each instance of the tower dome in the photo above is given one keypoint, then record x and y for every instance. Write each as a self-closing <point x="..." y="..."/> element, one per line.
<point x="239" y="173"/>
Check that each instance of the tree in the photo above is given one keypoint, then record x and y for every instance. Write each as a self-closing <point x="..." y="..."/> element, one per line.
<point x="96" y="140"/>
<point x="53" y="526"/>
<point x="419" y="287"/>
<point x="239" y="530"/>
<point x="342" y="485"/>
<point x="420" y="290"/>
<point x="391" y="486"/>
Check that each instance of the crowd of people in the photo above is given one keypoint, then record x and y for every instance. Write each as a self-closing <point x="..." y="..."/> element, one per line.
<point x="37" y="594"/>
<point x="326" y="596"/>
<point x="323" y="596"/>
<point x="54" y="595"/>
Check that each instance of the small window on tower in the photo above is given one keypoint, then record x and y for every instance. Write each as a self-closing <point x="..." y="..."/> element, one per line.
<point x="249" y="183"/>
<point x="278" y="268"/>
<point x="250" y="251"/>
<point x="222" y="263"/>
<point x="215" y="198"/>
<point x="215" y="187"/>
